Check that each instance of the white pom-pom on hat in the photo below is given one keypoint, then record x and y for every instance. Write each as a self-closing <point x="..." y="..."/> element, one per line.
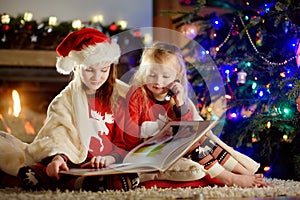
<point x="64" y="65"/>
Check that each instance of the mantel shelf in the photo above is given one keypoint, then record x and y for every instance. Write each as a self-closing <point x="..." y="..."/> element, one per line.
<point x="18" y="65"/>
<point x="27" y="58"/>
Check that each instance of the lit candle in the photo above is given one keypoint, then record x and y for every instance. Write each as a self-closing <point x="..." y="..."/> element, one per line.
<point x="27" y="16"/>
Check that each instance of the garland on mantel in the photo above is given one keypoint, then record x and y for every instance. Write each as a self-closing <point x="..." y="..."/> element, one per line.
<point x="18" y="33"/>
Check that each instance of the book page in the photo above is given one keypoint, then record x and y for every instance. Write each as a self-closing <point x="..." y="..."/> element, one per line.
<point x="111" y="169"/>
<point x="157" y="153"/>
<point x="167" y="147"/>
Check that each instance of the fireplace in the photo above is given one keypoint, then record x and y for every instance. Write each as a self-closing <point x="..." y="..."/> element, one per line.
<point x="31" y="76"/>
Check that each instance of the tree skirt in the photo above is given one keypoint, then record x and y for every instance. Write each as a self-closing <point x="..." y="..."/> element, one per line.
<point x="286" y="188"/>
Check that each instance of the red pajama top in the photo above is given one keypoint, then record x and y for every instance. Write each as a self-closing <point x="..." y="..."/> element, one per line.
<point x="110" y="140"/>
<point x="139" y="111"/>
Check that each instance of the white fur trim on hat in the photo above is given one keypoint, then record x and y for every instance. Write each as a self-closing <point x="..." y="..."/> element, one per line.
<point x="104" y="53"/>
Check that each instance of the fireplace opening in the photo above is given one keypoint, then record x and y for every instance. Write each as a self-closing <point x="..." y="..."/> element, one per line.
<point x="35" y="87"/>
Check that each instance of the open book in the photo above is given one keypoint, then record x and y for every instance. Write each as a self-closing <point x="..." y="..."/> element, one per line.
<point x="157" y="153"/>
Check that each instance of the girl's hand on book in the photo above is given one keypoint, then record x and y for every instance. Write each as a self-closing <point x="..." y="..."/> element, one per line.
<point x="99" y="162"/>
<point x="57" y="164"/>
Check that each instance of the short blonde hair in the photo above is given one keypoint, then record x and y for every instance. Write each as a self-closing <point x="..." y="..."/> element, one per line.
<point x="162" y="53"/>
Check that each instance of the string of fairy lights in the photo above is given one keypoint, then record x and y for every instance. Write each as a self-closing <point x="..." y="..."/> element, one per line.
<point x="261" y="56"/>
<point x="253" y="45"/>
<point x="227" y="37"/>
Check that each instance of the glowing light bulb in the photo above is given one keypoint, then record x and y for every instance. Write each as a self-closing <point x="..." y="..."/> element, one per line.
<point x="261" y="93"/>
<point x="76" y="24"/>
<point x="5" y="19"/>
<point x="97" y="19"/>
<point x="268" y="124"/>
<point x="216" y="88"/>
<point x="233" y="115"/>
<point x="122" y="24"/>
<point x="52" y="21"/>
<point x="28" y="16"/>
<point x="267" y="168"/>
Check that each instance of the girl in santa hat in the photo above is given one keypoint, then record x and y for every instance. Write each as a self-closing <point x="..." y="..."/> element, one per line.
<point x="84" y="124"/>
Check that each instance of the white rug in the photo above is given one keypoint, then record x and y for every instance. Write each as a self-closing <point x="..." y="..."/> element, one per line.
<point x="283" y="188"/>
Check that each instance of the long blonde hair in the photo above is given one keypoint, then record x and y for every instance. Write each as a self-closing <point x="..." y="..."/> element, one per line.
<point x="161" y="53"/>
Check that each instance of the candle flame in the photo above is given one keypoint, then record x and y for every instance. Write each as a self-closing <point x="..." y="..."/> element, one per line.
<point x="16" y="103"/>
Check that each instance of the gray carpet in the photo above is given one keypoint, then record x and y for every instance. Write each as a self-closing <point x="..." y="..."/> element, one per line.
<point x="283" y="188"/>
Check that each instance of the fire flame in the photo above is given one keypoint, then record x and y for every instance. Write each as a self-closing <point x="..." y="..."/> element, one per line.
<point x="29" y="128"/>
<point x="15" y="111"/>
<point x="16" y="103"/>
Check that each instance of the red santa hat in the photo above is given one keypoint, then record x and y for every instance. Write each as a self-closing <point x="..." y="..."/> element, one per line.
<point x="87" y="46"/>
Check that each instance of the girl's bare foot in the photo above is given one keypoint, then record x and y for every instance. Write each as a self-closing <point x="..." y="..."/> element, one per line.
<point x="245" y="181"/>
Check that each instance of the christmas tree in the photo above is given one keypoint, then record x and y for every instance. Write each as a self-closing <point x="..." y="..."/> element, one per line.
<point x="256" y="49"/>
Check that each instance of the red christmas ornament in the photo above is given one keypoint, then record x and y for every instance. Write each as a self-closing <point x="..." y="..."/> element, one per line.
<point x="5" y="27"/>
<point x="113" y="27"/>
<point x="137" y="33"/>
<point x="28" y="27"/>
<point x="235" y="32"/>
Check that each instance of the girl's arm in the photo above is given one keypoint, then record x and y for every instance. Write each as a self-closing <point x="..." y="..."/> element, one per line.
<point x="119" y="150"/>
<point x="133" y="109"/>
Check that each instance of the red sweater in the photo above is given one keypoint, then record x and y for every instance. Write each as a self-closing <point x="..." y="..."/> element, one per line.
<point x="112" y="143"/>
<point x="139" y="111"/>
